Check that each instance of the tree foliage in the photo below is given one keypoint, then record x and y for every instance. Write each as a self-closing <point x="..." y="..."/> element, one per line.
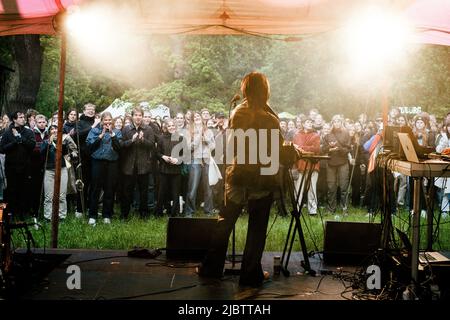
<point x="193" y="72"/>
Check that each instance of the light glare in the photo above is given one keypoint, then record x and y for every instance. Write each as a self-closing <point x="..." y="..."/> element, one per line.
<point x="375" y="39"/>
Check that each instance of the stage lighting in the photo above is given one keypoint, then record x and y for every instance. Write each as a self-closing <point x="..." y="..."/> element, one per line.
<point x="375" y="38"/>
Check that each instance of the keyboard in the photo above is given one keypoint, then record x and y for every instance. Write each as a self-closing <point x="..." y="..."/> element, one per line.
<point x="426" y="256"/>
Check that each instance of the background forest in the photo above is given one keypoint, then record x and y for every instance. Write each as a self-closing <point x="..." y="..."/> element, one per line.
<point x="193" y="72"/>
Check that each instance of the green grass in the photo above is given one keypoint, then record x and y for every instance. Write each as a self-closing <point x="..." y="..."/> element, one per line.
<point x="151" y="233"/>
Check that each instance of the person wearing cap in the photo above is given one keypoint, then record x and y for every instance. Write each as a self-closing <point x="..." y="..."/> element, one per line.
<point x="307" y="140"/>
<point x="205" y="115"/>
<point x="424" y="136"/>
<point x="337" y="145"/>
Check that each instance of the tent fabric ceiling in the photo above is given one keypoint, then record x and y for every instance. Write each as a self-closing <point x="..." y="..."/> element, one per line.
<point x="288" y="17"/>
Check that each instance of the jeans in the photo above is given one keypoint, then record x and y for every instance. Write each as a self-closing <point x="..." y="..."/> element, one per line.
<point x="337" y="176"/>
<point x="198" y="173"/>
<point x="49" y="183"/>
<point x="104" y="177"/>
<point x="402" y="189"/>
<point x="312" y="194"/>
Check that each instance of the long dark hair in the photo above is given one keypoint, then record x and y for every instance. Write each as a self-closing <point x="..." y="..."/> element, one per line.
<point x="70" y="111"/>
<point x="256" y="89"/>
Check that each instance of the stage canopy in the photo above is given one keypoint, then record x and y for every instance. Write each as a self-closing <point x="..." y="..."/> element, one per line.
<point x="430" y="18"/>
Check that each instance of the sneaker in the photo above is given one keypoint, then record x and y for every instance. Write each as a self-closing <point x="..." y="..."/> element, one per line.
<point x="107" y="220"/>
<point x="91" y="222"/>
<point x="35" y="225"/>
<point x="423" y="213"/>
<point x="78" y="215"/>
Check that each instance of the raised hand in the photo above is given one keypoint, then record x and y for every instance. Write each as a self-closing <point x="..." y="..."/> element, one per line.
<point x="103" y="133"/>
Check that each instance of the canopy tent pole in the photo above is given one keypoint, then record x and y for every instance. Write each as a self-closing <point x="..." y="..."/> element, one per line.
<point x="58" y="156"/>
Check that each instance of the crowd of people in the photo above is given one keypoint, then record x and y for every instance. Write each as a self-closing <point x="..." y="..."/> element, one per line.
<point x="129" y="160"/>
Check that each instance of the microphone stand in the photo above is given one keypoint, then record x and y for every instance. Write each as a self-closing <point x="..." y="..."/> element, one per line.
<point x="233" y="270"/>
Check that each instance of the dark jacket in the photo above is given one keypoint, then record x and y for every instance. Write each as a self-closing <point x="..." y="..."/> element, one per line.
<point x="68" y="126"/>
<point x="48" y="151"/>
<point x="17" y="150"/>
<point x="338" y="157"/>
<point x="166" y="145"/>
<point x="37" y="160"/>
<point x="137" y="154"/>
<point x="84" y="126"/>
<point x="357" y="150"/>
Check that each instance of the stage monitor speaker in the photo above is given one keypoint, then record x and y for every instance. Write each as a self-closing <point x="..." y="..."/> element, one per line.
<point x="350" y="242"/>
<point x="189" y="238"/>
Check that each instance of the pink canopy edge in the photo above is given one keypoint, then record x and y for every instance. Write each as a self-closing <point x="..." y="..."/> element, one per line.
<point x="431" y="18"/>
<point x="31" y="16"/>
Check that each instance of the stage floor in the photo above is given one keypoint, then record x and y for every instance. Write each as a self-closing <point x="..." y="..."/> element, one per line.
<point x="110" y="274"/>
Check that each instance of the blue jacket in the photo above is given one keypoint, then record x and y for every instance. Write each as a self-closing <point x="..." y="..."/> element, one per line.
<point x="106" y="148"/>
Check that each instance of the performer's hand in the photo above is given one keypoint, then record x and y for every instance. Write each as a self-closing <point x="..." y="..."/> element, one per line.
<point x="135" y="136"/>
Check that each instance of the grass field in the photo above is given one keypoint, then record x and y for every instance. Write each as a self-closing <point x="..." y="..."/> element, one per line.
<point x="151" y="233"/>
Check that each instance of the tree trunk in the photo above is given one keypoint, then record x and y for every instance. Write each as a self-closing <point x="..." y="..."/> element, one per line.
<point x="24" y="83"/>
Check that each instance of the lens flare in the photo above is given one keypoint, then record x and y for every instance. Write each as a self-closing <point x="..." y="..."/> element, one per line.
<point x="375" y="39"/>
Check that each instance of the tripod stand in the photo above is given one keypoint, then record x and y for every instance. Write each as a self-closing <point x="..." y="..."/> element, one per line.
<point x="233" y="270"/>
<point x="296" y="211"/>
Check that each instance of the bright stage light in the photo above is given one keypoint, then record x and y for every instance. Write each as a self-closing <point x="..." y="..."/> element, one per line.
<point x="93" y="28"/>
<point x="375" y="39"/>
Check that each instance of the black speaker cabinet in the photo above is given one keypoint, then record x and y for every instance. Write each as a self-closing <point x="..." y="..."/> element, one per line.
<point x="350" y="242"/>
<point x="188" y="238"/>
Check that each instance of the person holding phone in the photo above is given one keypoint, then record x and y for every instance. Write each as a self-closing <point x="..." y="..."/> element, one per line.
<point x="104" y="143"/>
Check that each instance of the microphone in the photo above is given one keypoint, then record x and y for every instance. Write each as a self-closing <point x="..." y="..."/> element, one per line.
<point x="236" y="97"/>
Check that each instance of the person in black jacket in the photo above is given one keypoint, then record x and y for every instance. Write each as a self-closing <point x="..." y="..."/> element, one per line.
<point x="138" y="144"/>
<point x="170" y="169"/>
<point x="85" y="124"/>
<point x="17" y="144"/>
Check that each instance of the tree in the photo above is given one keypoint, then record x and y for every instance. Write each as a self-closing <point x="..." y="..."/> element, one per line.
<point x="25" y="54"/>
